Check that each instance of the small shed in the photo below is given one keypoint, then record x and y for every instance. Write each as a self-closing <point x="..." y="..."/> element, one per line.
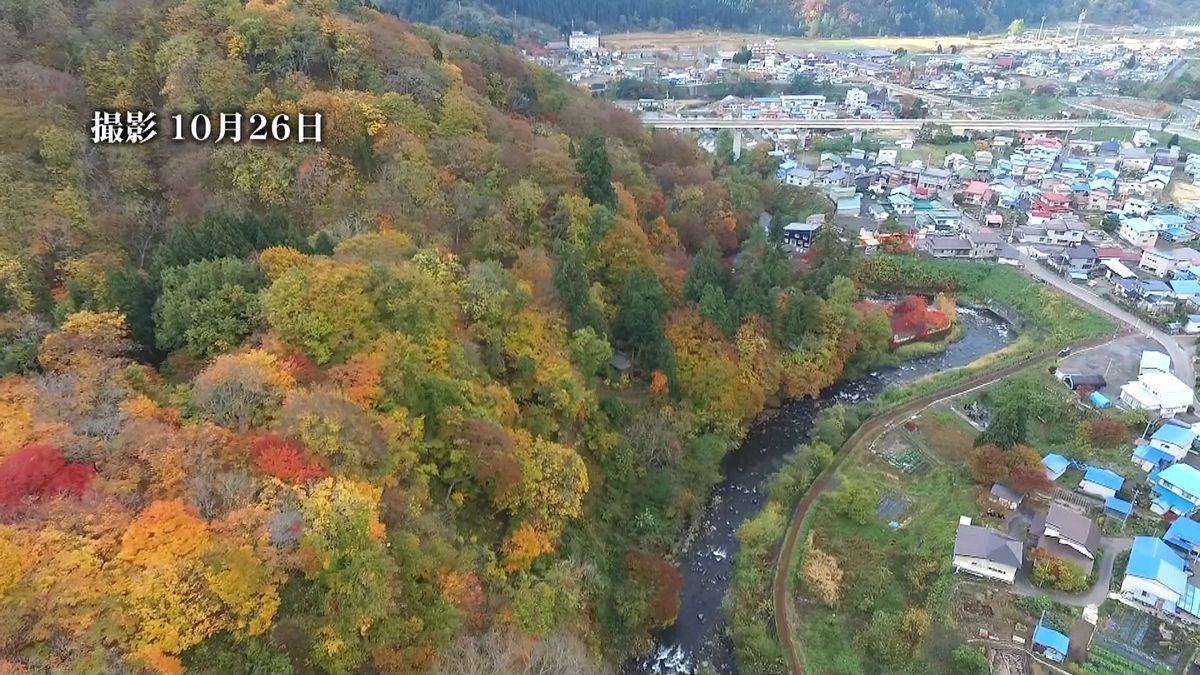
<point x="1095" y="381"/>
<point x="621" y="363"/>
<point x="1056" y="465"/>
<point x="1154" y="362"/>
<point x="1005" y="496"/>
<point x="1050" y="643"/>
<point x="1101" y="483"/>
<point x="1099" y="400"/>
<point x="1118" y="506"/>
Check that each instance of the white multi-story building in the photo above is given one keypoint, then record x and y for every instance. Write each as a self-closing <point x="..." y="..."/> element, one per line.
<point x="856" y="98"/>
<point x="580" y="41"/>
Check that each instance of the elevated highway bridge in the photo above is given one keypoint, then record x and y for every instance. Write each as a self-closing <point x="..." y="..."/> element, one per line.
<point x="957" y="125"/>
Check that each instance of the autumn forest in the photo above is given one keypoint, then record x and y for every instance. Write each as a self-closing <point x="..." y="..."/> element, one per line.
<point x="354" y="407"/>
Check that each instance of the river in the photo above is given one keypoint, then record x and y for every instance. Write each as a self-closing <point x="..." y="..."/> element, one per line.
<point x="698" y="635"/>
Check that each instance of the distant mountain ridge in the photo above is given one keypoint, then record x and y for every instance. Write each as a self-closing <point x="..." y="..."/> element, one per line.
<point x="831" y="18"/>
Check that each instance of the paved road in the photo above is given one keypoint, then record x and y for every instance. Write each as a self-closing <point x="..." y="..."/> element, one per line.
<point x="1112" y="547"/>
<point x="1181" y="349"/>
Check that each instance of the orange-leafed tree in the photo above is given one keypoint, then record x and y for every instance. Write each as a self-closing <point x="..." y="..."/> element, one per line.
<point x="525" y="545"/>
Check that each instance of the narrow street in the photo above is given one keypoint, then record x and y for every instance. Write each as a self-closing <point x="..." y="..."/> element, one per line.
<point x="1181" y="348"/>
<point x="1112" y="547"/>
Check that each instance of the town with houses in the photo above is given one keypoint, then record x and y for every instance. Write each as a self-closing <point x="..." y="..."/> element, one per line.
<point x="1112" y="212"/>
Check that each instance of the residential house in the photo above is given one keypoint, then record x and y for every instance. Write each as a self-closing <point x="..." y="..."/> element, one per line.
<point x="955" y="161"/>
<point x="984" y="245"/>
<point x="1101" y="483"/>
<point x="849" y="206"/>
<point x="800" y="235"/>
<point x="886" y="157"/>
<point x="1134" y="161"/>
<point x="1137" y="207"/>
<point x="1155" y="576"/>
<point x="1162" y="261"/>
<point x="976" y="192"/>
<point x="984" y="552"/>
<point x="1151" y="459"/>
<point x="1068" y="535"/>
<point x="983" y="161"/>
<point x="1185" y="290"/>
<point x="1176" y="490"/>
<point x="837" y="178"/>
<point x="1064" y="231"/>
<point x="934" y="178"/>
<point x="902" y="204"/>
<point x="948" y="247"/>
<point x="1056" y="465"/>
<point x="1138" y="232"/>
<point x="1078" y="259"/>
<point x="799" y="176"/>
<point x="1051" y="203"/>
<point x="1174" y="440"/>
<point x="1162" y="393"/>
<point x="1005" y="497"/>
<point x="1184" y="536"/>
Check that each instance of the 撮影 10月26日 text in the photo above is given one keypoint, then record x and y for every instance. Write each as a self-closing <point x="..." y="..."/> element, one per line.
<point x="136" y="127"/>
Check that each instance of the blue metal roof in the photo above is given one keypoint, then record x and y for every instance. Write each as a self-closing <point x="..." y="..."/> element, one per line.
<point x="1174" y="434"/>
<point x="1169" y="501"/>
<point x="1185" y="286"/>
<point x="1118" y="505"/>
<point x="1139" y="225"/>
<point x="1190" y="602"/>
<point x="1184" y="477"/>
<point x="1078" y="276"/>
<point x="1056" y="463"/>
<point x="1148" y="453"/>
<point x="1103" y="477"/>
<point x="1184" y="533"/>
<point x="1152" y="559"/>
<point x="1099" y="400"/>
<point x="1048" y="637"/>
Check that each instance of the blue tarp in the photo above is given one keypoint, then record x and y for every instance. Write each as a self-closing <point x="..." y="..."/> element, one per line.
<point x="1099" y="400"/>
<point x="1119" y="505"/>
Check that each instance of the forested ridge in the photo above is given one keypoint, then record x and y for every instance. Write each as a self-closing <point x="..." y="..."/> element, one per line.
<point x="328" y="408"/>
<point x="827" y="18"/>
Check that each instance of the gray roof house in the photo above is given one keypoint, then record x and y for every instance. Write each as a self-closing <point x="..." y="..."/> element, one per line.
<point x="1068" y="535"/>
<point x="986" y="553"/>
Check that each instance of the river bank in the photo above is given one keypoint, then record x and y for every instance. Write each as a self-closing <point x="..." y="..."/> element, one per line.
<point x="706" y="562"/>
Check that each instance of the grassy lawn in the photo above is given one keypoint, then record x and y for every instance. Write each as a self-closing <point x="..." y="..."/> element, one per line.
<point x="934" y="155"/>
<point x="1023" y="104"/>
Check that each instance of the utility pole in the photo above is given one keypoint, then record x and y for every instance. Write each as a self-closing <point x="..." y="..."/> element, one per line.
<point x="1040" y="34"/>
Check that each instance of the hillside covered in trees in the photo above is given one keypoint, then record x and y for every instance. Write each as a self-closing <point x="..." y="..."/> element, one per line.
<point x="826" y="18"/>
<point x="270" y="407"/>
